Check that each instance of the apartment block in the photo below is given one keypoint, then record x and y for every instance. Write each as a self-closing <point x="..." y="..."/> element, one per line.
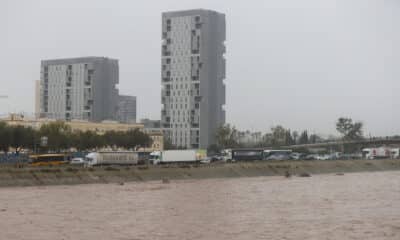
<point x="79" y="88"/>
<point x="193" y="73"/>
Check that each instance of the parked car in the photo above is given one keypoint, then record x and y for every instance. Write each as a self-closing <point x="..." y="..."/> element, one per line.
<point x="311" y="157"/>
<point x="279" y="157"/>
<point x="296" y="156"/>
<point x="77" y="161"/>
<point x="206" y="160"/>
<point x="217" y="158"/>
<point x="323" y="157"/>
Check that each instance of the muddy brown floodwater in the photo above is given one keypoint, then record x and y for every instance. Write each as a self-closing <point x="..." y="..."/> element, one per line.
<point x="352" y="206"/>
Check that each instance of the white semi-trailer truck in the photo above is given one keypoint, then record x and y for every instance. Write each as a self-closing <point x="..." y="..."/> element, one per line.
<point x="113" y="158"/>
<point x="177" y="156"/>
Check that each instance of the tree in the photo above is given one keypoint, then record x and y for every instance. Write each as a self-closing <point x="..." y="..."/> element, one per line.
<point x="267" y="139"/>
<point x="87" y="140"/>
<point x="314" y="138"/>
<point x="303" y="139"/>
<point x="295" y="135"/>
<point x="59" y="135"/>
<point x="136" y="138"/>
<point x="350" y="130"/>
<point x="21" y="137"/>
<point x="5" y="137"/>
<point x="227" y="137"/>
<point x="128" y="140"/>
<point x="289" y="139"/>
<point x="279" y="135"/>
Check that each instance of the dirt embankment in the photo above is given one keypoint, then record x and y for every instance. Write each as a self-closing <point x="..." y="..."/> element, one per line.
<point x="33" y="176"/>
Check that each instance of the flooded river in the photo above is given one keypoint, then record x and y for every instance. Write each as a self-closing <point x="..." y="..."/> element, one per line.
<point x="352" y="206"/>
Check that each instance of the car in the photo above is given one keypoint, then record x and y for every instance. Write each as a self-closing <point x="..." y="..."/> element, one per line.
<point x="77" y="161"/>
<point x="279" y="157"/>
<point x="206" y="160"/>
<point x="296" y="156"/>
<point x="217" y="158"/>
<point x="311" y="157"/>
<point x="324" y="157"/>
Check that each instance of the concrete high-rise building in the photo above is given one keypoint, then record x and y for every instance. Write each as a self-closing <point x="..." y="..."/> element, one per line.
<point x="79" y="88"/>
<point x="126" y="112"/>
<point x="193" y="70"/>
<point x="37" y="98"/>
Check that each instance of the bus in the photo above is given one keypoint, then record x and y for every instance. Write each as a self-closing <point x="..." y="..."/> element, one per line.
<point x="247" y="154"/>
<point x="49" y="159"/>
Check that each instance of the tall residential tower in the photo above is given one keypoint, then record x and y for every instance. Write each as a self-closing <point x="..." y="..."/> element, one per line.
<point x="193" y="70"/>
<point x="79" y="88"/>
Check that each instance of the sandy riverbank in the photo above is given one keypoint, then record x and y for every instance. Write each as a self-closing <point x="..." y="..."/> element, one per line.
<point x="28" y="176"/>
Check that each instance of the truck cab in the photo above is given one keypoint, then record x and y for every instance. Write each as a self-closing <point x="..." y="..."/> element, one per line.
<point x="155" y="157"/>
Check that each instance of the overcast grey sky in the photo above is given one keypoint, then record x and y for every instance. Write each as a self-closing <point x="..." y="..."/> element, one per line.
<point x="301" y="64"/>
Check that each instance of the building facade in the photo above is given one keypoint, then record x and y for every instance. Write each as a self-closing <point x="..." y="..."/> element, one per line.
<point x="148" y="123"/>
<point x="126" y="112"/>
<point x="37" y="98"/>
<point x="79" y="88"/>
<point x="193" y="73"/>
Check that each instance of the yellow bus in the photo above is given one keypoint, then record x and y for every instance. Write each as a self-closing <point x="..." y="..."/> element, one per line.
<point x="48" y="159"/>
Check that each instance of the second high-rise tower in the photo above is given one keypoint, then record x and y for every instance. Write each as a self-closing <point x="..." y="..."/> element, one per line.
<point x="193" y="70"/>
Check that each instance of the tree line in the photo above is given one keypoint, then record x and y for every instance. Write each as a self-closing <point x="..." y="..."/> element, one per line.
<point x="60" y="137"/>
<point x="228" y="136"/>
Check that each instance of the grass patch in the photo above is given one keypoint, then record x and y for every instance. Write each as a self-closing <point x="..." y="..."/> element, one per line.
<point x="111" y="169"/>
<point x="48" y="170"/>
<point x="70" y="169"/>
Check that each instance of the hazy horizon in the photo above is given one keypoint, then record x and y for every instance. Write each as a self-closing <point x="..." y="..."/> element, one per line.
<point x="300" y="64"/>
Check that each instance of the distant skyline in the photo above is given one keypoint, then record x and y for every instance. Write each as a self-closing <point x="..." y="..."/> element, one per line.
<point x="301" y="64"/>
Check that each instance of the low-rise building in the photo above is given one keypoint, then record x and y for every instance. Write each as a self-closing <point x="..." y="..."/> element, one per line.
<point x="98" y="127"/>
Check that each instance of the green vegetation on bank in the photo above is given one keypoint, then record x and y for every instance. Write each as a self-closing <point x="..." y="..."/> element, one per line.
<point x="228" y="136"/>
<point x="60" y="137"/>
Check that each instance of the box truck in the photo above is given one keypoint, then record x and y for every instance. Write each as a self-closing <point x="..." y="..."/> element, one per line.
<point x="178" y="156"/>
